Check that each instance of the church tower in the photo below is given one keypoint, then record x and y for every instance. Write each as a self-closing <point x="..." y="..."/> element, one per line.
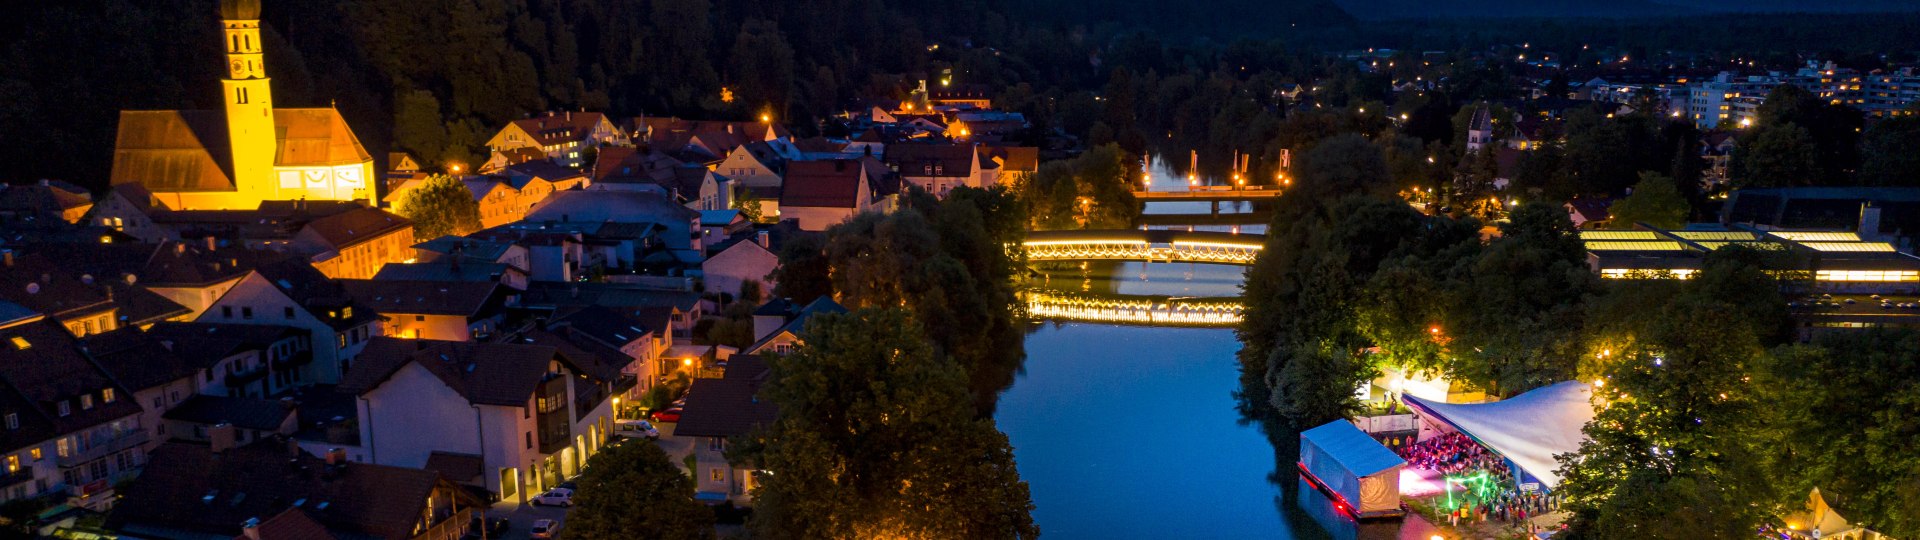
<point x="249" y="101"/>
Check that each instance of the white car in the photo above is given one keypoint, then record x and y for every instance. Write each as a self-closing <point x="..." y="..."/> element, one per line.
<point x="554" y="497"/>
<point x="545" y="528"/>
<point x="638" y="428"/>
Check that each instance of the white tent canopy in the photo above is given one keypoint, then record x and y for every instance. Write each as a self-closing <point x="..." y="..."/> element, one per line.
<point x="1528" y="429"/>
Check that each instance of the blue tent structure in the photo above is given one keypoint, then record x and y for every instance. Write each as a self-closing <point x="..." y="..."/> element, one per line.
<point x="1361" y="474"/>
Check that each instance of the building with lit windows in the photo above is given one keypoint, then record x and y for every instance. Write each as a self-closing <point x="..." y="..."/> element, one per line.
<point x="68" y="430"/>
<point x="532" y="413"/>
<point x="248" y="151"/>
<point x="1713" y="102"/>
<point x="562" y="137"/>
<point x="1835" y="261"/>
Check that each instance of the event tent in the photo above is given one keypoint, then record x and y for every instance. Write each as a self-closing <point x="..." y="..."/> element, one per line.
<point x="1365" y="474"/>
<point x="1527" y="429"/>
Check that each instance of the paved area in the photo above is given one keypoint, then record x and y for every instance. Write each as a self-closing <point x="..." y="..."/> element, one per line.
<point x="523" y="516"/>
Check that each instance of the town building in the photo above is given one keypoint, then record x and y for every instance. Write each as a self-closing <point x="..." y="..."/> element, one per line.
<point x="66" y="427"/>
<point x="247" y="152"/>
<point x="291" y="293"/>
<point x="718" y="409"/>
<point x="446" y="310"/>
<point x="251" y="360"/>
<point x="533" y="414"/>
<point x="563" y="137"/>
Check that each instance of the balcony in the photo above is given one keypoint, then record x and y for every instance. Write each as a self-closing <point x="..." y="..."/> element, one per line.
<point x="100" y="449"/>
<point x="240" y="379"/>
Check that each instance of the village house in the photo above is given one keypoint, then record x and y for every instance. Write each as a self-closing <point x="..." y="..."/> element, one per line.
<point x="820" y="194"/>
<point x="251" y="360"/>
<point x="66" y="427"/>
<point x="447" y="310"/>
<point x="81" y="304"/>
<point x="126" y="209"/>
<point x="158" y="378"/>
<point x="778" y="324"/>
<point x="563" y="137"/>
<point x="291" y="293"/>
<point x="534" y="415"/>
<point x="938" y="167"/>
<point x="48" y="199"/>
<point x="718" y="409"/>
<point x="745" y="257"/>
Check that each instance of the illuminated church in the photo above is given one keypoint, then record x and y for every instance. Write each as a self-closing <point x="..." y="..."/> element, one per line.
<point x="248" y="151"/>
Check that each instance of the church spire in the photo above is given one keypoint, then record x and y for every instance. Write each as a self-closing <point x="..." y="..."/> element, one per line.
<point x="248" y="99"/>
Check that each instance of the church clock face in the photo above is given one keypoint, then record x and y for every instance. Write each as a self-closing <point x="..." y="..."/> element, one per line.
<point x="239" y="68"/>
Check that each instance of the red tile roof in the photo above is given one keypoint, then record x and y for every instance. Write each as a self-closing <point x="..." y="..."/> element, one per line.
<point x="831" y="183"/>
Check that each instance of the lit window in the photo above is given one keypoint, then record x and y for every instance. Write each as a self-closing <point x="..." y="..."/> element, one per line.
<point x="63" y="447"/>
<point x="36" y="453"/>
<point x="718" y="474"/>
<point x="106" y="396"/>
<point x="86" y="401"/>
<point x="20" y="343"/>
<point x="13" y="463"/>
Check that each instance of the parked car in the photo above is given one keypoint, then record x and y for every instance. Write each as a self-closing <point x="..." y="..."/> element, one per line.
<point x="493" y="527"/>
<point x="554" y="497"/>
<point x="638" y="428"/>
<point x="669" y="415"/>
<point x="545" y="528"/>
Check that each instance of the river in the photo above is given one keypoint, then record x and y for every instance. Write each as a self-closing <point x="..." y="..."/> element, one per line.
<point x="1131" y="431"/>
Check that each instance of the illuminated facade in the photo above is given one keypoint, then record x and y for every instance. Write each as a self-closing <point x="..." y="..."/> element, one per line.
<point x="1151" y="246"/>
<point x="248" y="151"/>
<point x="1838" y="261"/>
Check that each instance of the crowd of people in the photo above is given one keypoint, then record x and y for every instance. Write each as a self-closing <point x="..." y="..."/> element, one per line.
<point x="1492" y="496"/>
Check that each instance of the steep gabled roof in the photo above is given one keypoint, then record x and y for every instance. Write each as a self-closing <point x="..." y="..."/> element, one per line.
<point x="173" y="151"/>
<point x="241" y="412"/>
<point x="827" y="183"/>
<point x="940" y="159"/>
<point x="463" y="298"/>
<point x="188" y="490"/>
<point x="504" y="374"/>
<point x="728" y="406"/>
<point x="293" y="524"/>
<point x="51" y="369"/>
<point x="355" y="226"/>
<point x="137" y="360"/>
<point x="316" y="137"/>
<point x="551" y="128"/>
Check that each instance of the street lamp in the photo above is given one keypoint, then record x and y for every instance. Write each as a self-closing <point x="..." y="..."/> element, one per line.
<point x="766" y="118"/>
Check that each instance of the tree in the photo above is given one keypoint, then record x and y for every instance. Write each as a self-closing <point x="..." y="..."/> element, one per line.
<point x="876" y="437"/>
<point x="804" y="272"/>
<point x="1517" y="321"/>
<point x="635" y="491"/>
<point x="1890" y="153"/>
<point x="1776" y="156"/>
<point x="1680" y="446"/>
<point x="440" y="206"/>
<point x="747" y="203"/>
<point x="1655" y="201"/>
<point x="1852" y="406"/>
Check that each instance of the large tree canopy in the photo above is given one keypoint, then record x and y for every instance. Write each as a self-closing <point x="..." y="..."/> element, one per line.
<point x="877" y="438"/>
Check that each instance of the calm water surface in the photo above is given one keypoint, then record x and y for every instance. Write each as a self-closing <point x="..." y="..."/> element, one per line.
<point x="1131" y="431"/>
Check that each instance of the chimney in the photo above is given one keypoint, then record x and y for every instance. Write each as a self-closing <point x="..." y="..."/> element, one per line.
<point x="761" y="238"/>
<point x="221" y="437"/>
<point x="569" y="116"/>
<point x="251" y="529"/>
<point x="336" y="456"/>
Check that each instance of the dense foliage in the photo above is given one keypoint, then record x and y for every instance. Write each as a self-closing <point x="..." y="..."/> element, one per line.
<point x="634" y="490"/>
<point x="876" y="438"/>
<point x="440" y="206"/>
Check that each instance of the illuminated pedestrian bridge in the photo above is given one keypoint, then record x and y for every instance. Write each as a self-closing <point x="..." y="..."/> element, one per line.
<point x="1134" y="309"/>
<point x="1139" y="245"/>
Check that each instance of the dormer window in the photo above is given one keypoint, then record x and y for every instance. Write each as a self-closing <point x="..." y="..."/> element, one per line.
<point x="106" y="395"/>
<point x="63" y="408"/>
<point x="13" y="420"/>
<point x="86" y="402"/>
<point x="346" y="312"/>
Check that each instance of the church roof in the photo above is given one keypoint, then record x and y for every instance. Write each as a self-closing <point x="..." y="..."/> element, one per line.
<point x="315" y="137"/>
<point x="173" y="151"/>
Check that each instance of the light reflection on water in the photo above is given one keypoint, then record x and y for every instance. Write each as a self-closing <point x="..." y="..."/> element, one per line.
<point x="1132" y="431"/>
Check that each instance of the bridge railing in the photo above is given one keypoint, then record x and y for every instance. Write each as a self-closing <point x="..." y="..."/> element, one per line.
<point x="1135" y="310"/>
